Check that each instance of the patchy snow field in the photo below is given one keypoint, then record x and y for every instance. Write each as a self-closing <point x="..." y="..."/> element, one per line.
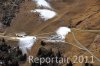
<point x="59" y="36"/>
<point x="45" y="13"/>
<point x="63" y="31"/>
<point x="42" y="3"/>
<point x="26" y="43"/>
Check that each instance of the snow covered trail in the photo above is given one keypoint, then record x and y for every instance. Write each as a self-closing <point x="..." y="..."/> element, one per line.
<point x="45" y="13"/>
<point x="26" y="43"/>
<point x="42" y="3"/>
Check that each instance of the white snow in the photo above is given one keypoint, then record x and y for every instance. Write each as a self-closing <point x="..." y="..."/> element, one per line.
<point x="60" y="35"/>
<point x="26" y="43"/>
<point x="45" y="13"/>
<point x="63" y="31"/>
<point x="55" y="38"/>
<point x="54" y="41"/>
<point x="42" y="3"/>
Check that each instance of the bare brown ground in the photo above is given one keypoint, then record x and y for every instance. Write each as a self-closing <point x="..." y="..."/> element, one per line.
<point x="81" y="14"/>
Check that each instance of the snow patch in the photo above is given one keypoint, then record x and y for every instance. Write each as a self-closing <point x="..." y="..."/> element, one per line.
<point x="42" y="3"/>
<point x="45" y="13"/>
<point x="63" y="31"/>
<point x="59" y="36"/>
<point x="26" y="43"/>
<point x="55" y="38"/>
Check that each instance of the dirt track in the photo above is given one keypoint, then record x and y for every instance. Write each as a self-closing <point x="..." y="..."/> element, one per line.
<point x="28" y="22"/>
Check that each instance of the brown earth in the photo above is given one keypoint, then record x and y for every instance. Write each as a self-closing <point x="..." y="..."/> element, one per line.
<point x="80" y="14"/>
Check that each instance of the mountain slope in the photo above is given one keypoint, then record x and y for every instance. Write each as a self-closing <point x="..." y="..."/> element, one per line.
<point x="80" y="14"/>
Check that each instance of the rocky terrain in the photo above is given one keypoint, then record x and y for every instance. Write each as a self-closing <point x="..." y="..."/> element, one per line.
<point x="82" y="16"/>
